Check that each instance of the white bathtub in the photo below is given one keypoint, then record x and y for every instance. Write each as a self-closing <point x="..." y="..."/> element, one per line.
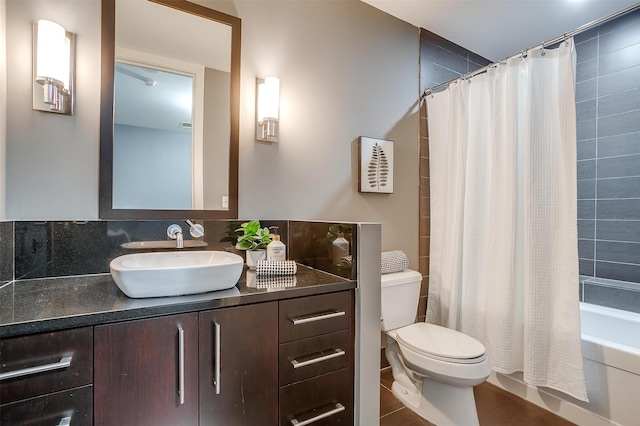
<point x="611" y="352"/>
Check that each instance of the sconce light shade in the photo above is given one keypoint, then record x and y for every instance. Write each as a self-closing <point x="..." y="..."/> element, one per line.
<point x="268" y="109"/>
<point x="53" y="68"/>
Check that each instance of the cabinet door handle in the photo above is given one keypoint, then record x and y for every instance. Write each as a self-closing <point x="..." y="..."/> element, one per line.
<point x="311" y="318"/>
<point x="334" y="354"/>
<point x="337" y="408"/>
<point x="216" y="366"/>
<point x="65" y="421"/>
<point x="63" y="363"/>
<point x="181" y="364"/>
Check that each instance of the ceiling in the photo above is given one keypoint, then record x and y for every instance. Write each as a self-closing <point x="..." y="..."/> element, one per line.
<point x="497" y="29"/>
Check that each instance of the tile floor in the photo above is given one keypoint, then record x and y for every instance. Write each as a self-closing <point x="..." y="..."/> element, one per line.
<point x="496" y="407"/>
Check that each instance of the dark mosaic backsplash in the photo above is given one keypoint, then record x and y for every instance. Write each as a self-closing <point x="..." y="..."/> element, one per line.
<point x="54" y="249"/>
<point x="6" y="252"/>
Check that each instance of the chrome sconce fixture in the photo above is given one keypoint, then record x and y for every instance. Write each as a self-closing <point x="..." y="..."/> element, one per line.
<point x="53" y="68"/>
<point x="268" y="109"/>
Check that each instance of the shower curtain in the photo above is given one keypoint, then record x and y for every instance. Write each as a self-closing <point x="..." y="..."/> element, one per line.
<point x="503" y="254"/>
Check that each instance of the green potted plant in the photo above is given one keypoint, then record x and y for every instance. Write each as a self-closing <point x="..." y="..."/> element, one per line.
<point x="254" y="239"/>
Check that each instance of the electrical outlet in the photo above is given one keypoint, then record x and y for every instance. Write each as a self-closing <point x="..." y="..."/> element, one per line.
<point x="225" y="201"/>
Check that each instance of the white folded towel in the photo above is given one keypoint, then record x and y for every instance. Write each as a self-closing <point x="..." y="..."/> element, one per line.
<point x="276" y="267"/>
<point x="394" y="261"/>
<point x="268" y="281"/>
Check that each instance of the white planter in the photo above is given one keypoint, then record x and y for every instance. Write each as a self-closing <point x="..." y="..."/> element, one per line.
<point x="253" y="256"/>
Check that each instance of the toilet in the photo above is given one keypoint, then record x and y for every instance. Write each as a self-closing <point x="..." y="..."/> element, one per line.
<point x="434" y="368"/>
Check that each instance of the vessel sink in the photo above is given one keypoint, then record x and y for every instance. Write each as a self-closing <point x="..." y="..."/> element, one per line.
<point x="175" y="273"/>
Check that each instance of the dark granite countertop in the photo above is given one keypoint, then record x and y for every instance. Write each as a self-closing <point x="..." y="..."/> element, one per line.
<point x="41" y="305"/>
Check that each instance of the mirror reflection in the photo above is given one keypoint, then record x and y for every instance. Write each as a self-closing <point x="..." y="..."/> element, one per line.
<point x="152" y="139"/>
<point x="174" y="145"/>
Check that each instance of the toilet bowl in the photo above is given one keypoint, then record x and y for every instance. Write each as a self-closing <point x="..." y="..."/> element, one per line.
<point x="434" y="368"/>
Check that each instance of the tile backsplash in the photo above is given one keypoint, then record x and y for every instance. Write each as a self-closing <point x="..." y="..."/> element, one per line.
<point x="6" y="252"/>
<point x="52" y="249"/>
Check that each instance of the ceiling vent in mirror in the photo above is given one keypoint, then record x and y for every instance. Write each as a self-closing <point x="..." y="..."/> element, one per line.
<point x="185" y="125"/>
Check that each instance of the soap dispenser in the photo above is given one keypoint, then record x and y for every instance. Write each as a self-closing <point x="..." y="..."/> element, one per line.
<point x="276" y="250"/>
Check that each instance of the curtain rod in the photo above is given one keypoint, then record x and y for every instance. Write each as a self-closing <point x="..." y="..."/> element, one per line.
<point x="565" y="36"/>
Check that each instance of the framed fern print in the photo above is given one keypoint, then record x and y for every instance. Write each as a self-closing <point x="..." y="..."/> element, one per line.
<point x="375" y="165"/>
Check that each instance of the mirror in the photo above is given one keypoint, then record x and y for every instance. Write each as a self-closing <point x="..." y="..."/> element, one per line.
<point x="169" y="124"/>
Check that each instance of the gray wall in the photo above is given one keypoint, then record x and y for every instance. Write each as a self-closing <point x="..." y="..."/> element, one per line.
<point x="346" y="70"/>
<point x="608" y="110"/>
<point x="52" y="161"/>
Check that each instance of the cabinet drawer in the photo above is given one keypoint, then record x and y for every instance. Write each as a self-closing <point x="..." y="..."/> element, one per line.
<point x="74" y="406"/>
<point x="43" y="363"/>
<point x="327" y="398"/>
<point x="310" y="357"/>
<point x="314" y="315"/>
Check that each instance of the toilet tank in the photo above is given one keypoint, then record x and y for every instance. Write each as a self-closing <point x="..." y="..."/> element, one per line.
<point x="399" y="298"/>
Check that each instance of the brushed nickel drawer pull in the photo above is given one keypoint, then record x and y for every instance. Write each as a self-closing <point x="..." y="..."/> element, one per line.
<point x="181" y="364"/>
<point x="63" y="363"/>
<point x="65" y="421"/>
<point x="311" y="318"/>
<point x="216" y="366"/>
<point x="337" y="409"/>
<point x="334" y="354"/>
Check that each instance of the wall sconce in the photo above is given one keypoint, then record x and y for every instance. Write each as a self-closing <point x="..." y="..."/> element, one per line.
<point x="53" y="69"/>
<point x="268" y="109"/>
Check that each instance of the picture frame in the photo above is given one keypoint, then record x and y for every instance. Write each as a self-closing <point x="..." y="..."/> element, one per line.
<point x="375" y="165"/>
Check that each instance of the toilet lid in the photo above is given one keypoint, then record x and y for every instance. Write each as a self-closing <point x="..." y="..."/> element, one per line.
<point x="439" y="342"/>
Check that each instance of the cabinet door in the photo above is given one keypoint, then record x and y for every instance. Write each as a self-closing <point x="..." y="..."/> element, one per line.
<point x="239" y="366"/>
<point x="146" y="372"/>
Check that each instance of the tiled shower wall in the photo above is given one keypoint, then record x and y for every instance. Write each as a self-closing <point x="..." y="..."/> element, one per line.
<point x="608" y="110"/>
<point x="608" y="113"/>
<point x="608" y="125"/>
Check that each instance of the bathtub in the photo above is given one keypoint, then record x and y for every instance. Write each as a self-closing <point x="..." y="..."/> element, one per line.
<point x="611" y="352"/>
<point x="611" y="356"/>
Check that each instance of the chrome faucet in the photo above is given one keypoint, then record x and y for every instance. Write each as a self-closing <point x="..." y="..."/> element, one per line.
<point x="175" y="233"/>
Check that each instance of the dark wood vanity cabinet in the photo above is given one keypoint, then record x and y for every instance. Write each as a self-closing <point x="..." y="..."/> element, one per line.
<point x="146" y="372"/>
<point x="46" y="379"/>
<point x="316" y="337"/>
<point x="282" y="362"/>
<point x="238" y="365"/>
<point x="210" y="368"/>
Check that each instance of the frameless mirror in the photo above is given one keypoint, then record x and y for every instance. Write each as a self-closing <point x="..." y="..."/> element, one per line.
<point x="170" y="105"/>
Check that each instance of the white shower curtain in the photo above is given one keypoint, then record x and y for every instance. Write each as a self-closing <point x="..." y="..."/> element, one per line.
<point x="504" y="255"/>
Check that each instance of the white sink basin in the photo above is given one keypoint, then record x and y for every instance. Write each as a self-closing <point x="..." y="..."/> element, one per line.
<point x="175" y="273"/>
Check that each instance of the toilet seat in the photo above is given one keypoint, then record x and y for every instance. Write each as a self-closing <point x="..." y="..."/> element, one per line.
<point x="441" y="343"/>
